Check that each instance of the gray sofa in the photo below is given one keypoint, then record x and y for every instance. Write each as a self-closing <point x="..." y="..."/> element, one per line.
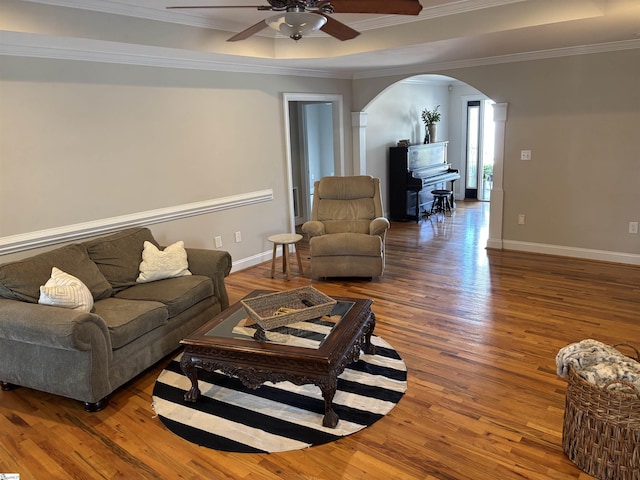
<point x="86" y="356"/>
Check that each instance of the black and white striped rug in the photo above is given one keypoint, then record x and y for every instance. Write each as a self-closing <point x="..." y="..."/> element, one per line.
<point x="282" y="416"/>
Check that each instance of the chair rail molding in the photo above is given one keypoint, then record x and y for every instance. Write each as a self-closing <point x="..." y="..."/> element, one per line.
<point x="78" y="231"/>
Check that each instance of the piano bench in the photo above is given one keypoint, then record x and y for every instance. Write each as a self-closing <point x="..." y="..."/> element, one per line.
<point x="441" y="202"/>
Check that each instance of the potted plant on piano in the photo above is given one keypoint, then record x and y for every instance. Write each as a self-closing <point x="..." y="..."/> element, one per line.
<point x="430" y="119"/>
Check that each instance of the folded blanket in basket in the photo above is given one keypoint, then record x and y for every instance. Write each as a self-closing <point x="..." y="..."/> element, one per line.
<point x="599" y="364"/>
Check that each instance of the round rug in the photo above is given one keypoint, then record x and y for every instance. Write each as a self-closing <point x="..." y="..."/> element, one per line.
<point x="278" y="417"/>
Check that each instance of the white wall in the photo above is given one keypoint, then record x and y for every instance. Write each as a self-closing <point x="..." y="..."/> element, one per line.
<point x="319" y="122"/>
<point x="85" y="141"/>
<point x="579" y="116"/>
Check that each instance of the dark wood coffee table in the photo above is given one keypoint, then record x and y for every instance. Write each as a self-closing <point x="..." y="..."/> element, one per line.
<point x="231" y="343"/>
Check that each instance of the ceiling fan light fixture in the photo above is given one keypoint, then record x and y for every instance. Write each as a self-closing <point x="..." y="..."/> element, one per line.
<point x="296" y="24"/>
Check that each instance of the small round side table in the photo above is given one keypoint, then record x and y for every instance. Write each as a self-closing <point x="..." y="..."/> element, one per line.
<point x="285" y="239"/>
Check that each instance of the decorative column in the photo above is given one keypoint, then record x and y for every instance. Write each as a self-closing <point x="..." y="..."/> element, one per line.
<point x="359" y="138"/>
<point x="496" y="210"/>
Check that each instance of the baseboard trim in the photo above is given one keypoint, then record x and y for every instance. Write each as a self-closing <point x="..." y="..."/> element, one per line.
<point x="78" y="231"/>
<point x="494" y="243"/>
<point x="574" y="252"/>
<point x="248" y="262"/>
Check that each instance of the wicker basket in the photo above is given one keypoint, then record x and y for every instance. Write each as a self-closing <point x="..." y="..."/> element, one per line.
<point x="601" y="430"/>
<point x="300" y="304"/>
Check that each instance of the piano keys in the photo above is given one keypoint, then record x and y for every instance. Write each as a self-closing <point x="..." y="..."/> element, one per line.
<point x="413" y="172"/>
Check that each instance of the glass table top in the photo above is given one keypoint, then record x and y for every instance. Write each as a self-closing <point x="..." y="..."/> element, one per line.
<point x="307" y="334"/>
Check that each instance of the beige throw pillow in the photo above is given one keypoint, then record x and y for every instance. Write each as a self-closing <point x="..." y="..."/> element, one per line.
<point x="159" y="264"/>
<point x="66" y="291"/>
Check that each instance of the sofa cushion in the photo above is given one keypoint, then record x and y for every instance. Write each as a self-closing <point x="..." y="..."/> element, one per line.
<point x="129" y="319"/>
<point x="118" y="255"/>
<point x="21" y="280"/>
<point x="178" y="294"/>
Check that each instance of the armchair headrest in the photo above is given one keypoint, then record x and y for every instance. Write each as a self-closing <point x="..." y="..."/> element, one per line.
<point x="346" y="188"/>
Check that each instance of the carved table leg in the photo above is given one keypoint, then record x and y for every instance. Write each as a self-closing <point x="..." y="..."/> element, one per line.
<point x="328" y="387"/>
<point x="369" y="349"/>
<point x="189" y="369"/>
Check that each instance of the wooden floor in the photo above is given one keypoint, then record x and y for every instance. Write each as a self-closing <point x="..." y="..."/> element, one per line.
<point x="478" y="330"/>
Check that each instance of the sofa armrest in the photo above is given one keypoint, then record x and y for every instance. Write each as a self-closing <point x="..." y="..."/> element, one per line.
<point x="215" y="264"/>
<point x="379" y="226"/>
<point x="313" y="228"/>
<point x="54" y="327"/>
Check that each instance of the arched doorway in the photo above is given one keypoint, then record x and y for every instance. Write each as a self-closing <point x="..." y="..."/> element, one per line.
<point x="394" y="114"/>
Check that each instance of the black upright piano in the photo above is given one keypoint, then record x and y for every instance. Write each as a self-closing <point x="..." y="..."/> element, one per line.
<point x="413" y="172"/>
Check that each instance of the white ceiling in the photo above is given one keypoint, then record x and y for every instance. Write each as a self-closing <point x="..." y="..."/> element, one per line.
<point x="446" y="33"/>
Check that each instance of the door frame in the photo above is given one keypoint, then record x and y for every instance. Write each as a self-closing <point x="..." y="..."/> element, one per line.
<point x="338" y="141"/>
<point x="467" y="190"/>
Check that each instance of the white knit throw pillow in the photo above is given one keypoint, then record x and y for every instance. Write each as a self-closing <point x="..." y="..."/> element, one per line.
<point x="159" y="264"/>
<point x="66" y="291"/>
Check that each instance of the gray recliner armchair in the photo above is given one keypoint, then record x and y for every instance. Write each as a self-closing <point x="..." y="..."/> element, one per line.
<point x="347" y="228"/>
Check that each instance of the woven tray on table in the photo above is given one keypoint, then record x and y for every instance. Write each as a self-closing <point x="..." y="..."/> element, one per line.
<point x="283" y="308"/>
<point x="601" y="431"/>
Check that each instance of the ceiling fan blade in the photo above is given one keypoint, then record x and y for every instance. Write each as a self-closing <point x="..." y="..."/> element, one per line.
<point x="338" y="29"/>
<point x="243" y="35"/>
<point x="395" y="7"/>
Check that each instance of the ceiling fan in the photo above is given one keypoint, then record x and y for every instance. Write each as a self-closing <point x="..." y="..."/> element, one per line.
<point x="296" y="18"/>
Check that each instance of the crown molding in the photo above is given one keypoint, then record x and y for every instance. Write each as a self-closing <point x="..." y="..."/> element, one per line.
<point x="63" y="48"/>
<point x="501" y="59"/>
<point x="130" y="9"/>
<point x="21" y="44"/>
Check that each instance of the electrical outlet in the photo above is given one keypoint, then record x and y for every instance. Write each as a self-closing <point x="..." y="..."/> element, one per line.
<point x="238" y="237"/>
<point x="525" y="154"/>
<point x="218" y="241"/>
<point x="633" y="227"/>
<point x="521" y="219"/>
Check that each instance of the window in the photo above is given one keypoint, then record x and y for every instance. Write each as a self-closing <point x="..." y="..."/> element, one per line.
<point x="480" y="149"/>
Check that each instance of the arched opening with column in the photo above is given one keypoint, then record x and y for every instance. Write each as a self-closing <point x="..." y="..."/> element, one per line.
<point x="402" y="100"/>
